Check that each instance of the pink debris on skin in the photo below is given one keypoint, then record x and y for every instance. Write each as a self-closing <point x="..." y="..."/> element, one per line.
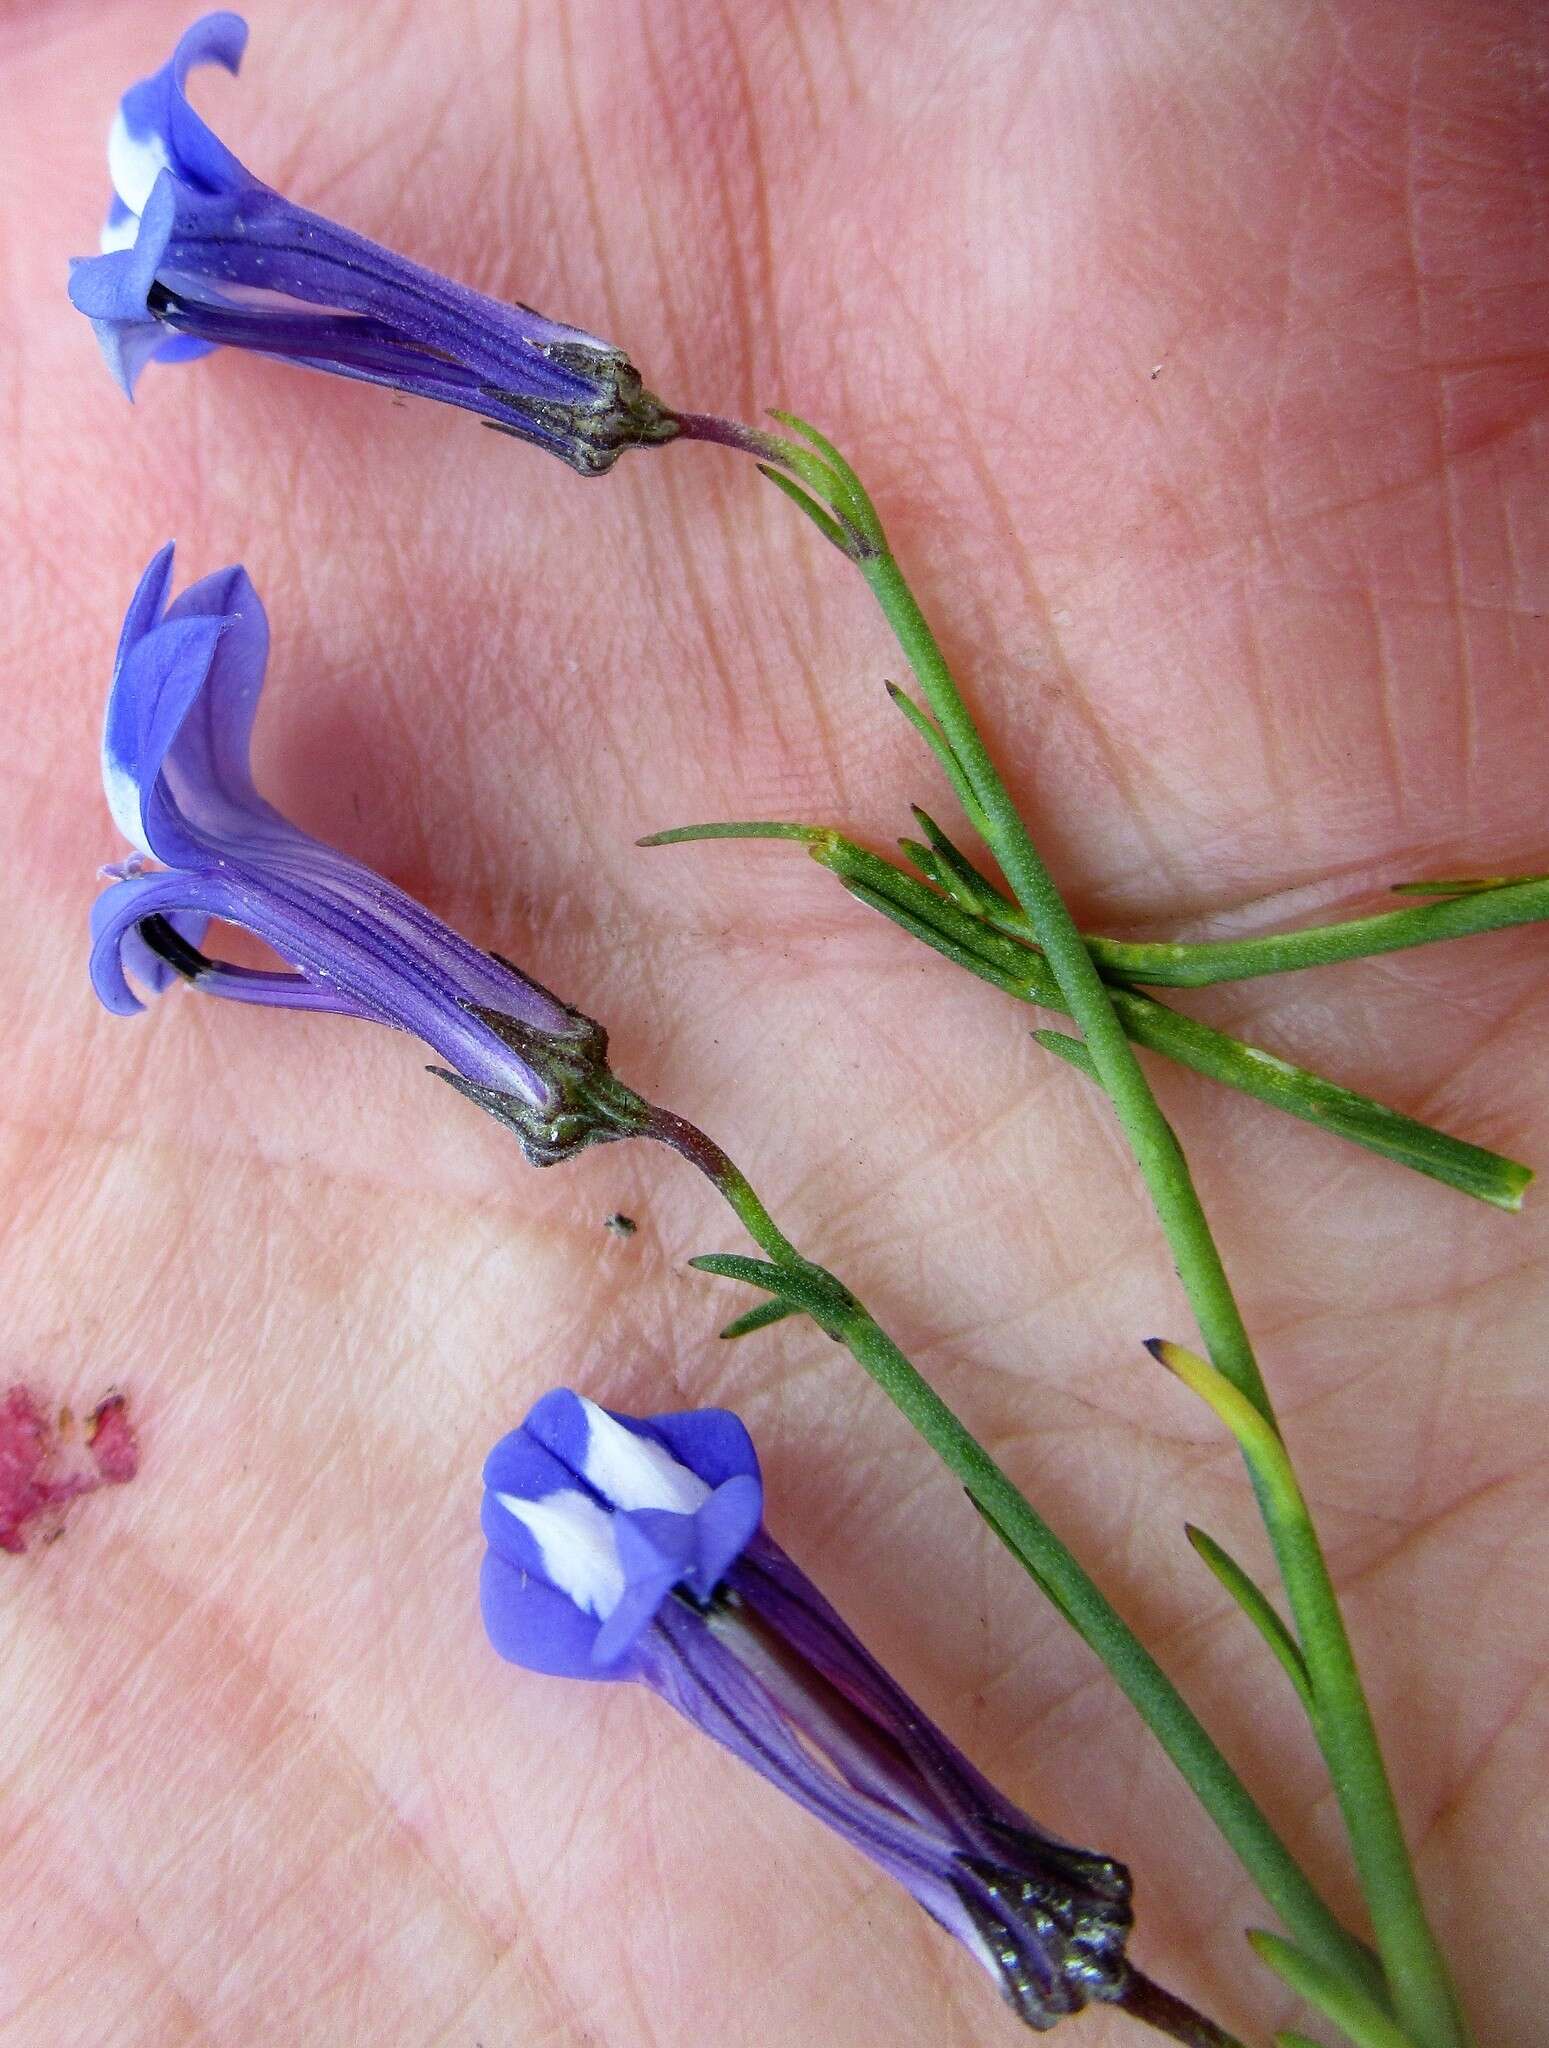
<point x="41" y="1474"/>
<point x="113" y="1445"/>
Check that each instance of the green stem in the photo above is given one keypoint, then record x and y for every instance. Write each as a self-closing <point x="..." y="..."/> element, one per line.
<point x="1416" y="1972"/>
<point x="1151" y="1137"/>
<point x="1341" y="1714"/>
<point x="1051" y="1564"/>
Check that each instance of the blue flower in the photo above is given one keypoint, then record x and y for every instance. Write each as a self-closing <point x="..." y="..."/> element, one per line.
<point x="198" y="253"/>
<point x="185" y="690"/>
<point x="621" y="1548"/>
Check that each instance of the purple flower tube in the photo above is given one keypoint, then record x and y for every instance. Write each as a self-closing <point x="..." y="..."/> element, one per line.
<point x="198" y="254"/>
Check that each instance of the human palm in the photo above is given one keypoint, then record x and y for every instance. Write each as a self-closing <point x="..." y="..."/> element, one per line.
<point x="1195" y="363"/>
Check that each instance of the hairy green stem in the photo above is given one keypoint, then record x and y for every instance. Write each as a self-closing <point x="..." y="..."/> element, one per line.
<point x="1151" y="1137"/>
<point x="1341" y="1714"/>
<point x="1046" y="1558"/>
<point x="1419" y="1988"/>
<point x="1419" y="1985"/>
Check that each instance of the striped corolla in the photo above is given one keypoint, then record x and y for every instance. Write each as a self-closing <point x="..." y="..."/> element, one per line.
<point x="185" y="690"/>
<point x="197" y="253"/>
<point x="622" y="1548"/>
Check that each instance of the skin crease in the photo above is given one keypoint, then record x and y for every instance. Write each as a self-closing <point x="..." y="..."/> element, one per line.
<point x="1195" y="359"/>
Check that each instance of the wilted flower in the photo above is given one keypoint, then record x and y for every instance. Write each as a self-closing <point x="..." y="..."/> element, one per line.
<point x="630" y="1549"/>
<point x="185" y="689"/>
<point x="198" y="253"/>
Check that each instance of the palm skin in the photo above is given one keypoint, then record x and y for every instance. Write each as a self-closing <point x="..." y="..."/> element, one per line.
<point x="1195" y="362"/>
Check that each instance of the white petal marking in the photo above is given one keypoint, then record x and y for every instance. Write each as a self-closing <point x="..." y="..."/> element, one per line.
<point x="632" y="1472"/>
<point x="575" y="1537"/>
<point x="134" y="163"/>
<point x="123" y="795"/>
<point x="120" y="234"/>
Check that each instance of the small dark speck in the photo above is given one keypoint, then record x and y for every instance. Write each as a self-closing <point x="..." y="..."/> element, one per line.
<point x="1156" y="371"/>
<point x="621" y="1225"/>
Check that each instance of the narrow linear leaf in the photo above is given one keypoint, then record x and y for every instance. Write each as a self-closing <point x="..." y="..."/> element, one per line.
<point x="1339" y="2000"/>
<point x="1469" y="885"/>
<point x="850" y="494"/>
<point x="971" y="887"/>
<point x="1471" y="1169"/>
<point x="738" y="828"/>
<point x="820" y="441"/>
<point x="1045" y="1585"/>
<point x="760" y="1318"/>
<point x="825" y="522"/>
<point x="936" y="868"/>
<point x="1257" y="1438"/>
<point x="1255" y="1603"/>
<point x="738" y="1266"/>
<point x="925" y="860"/>
<point x="976" y="938"/>
<point x="939" y="745"/>
<point x="819" y="464"/>
<point x="815" y="1293"/>
<point x="927" y="929"/>
<point x="1071" y="1050"/>
<point x="939" y="871"/>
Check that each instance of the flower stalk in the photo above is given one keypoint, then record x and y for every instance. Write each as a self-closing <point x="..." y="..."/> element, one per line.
<point x="1418" y="1981"/>
<point x="797" y="1284"/>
